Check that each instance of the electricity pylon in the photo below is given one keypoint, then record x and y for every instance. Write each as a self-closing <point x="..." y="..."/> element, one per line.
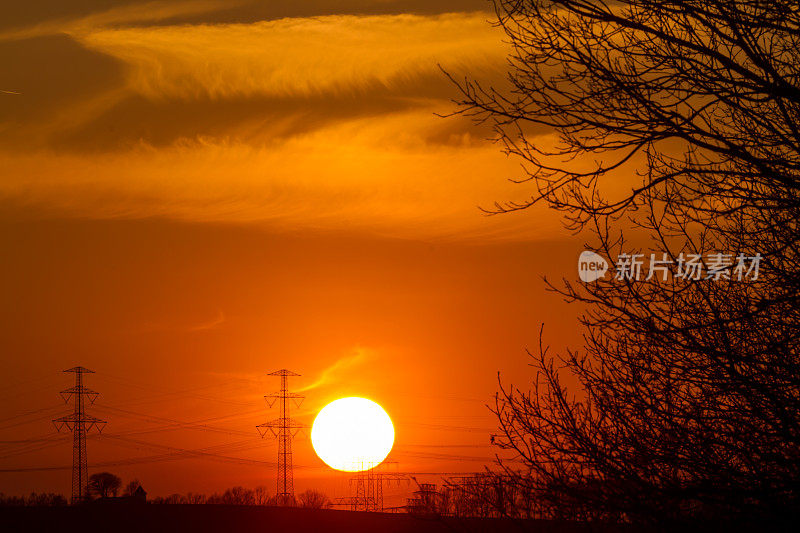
<point x="369" y="486"/>
<point x="79" y="423"/>
<point x="366" y="498"/>
<point x="284" y="428"/>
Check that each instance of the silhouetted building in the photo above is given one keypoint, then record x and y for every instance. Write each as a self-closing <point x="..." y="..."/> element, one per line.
<point x="139" y="494"/>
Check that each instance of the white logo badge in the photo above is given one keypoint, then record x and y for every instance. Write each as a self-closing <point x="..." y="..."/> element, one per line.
<point x="591" y="266"/>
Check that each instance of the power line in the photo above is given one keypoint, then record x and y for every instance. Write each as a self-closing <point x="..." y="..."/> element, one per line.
<point x="448" y="456"/>
<point x="34" y="446"/>
<point x="186" y="393"/>
<point x="446" y="427"/>
<point x="177" y="424"/>
<point x="174" y="453"/>
<point x="28" y="413"/>
<point x="32" y="420"/>
<point x="210" y="452"/>
<point x="50" y="378"/>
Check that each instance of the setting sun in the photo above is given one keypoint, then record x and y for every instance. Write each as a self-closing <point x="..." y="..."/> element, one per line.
<point x="352" y="434"/>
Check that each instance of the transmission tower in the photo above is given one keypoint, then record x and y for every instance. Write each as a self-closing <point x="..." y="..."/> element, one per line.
<point x="284" y="428"/>
<point x="369" y="484"/>
<point x="366" y="498"/>
<point x="79" y="423"/>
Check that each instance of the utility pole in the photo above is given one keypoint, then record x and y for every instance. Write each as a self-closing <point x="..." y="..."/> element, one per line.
<point x="79" y="423"/>
<point x="284" y="428"/>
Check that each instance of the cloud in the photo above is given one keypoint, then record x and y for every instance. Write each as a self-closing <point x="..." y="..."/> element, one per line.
<point x="257" y="120"/>
<point x="375" y="176"/>
<point x="88" y="17"/>
<point x="296" y="56"/>
<point x="100" y="89"/>
<point x="61" y="84"/>
<point x="209" y="324"/>
<point x="323" y="124"/>
<point x="205" y="325"/>
<point x="49" y="17"/>
<point x="359" y="356"/>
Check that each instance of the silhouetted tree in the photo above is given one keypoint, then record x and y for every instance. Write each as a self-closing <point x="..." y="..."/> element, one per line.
<point x="261" y="495"/>
<point x="313" y="499"/>
<point x="173" y="499"/>
<point x="485" y="495"/>
<point x="233" y="496"/>
<point x="195" y="499"/>
<point x="11" y="501"/>
<point x="104" y="484"/>
<point x="239" y="496"/>
<point x="676" y="126"/>
<point x="44" y="499"/>
<point x="131" y="487"/>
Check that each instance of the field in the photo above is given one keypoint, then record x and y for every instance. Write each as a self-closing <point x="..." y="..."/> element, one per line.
<point x="234" y="519"/>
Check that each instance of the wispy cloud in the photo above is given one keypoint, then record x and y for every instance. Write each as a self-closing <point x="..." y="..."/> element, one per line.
<point x="204" y="325"/>
<point x="294" y="56"/>
<point x="377" y="176"/>
<point x="381" y="168"/>
<point x="359" y="356"/>
<point x="132" y="13"/>
<point x="214" y="323"/>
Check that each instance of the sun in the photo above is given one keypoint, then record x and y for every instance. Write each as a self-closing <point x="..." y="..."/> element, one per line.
<point x="352" y="434"/>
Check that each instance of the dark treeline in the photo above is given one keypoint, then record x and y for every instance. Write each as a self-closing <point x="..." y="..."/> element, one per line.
<point x="311" y="499"/>
<point x="34" y="499"/>
<point x="232" y="496"/>
<point x="485" y="495"/>
<point x="499" y="495"/>
<point x="105" y="487"/>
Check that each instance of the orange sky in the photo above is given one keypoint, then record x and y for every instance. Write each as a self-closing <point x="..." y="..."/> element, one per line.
<point x="197" y="193"/>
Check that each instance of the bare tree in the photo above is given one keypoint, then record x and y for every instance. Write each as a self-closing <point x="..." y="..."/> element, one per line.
<point x="43" y="499"/>
<point x="195" y="498"/>
<point x="104" y="484"/>
<point x="130" y="488"/>
<point x="233" y="496"/>
<point x="172" y="499"/>
<point x="313" y="499"/>
<point x="189" y="498"/>
<point x="261" y="495"/>
<point x="674" y="126"/>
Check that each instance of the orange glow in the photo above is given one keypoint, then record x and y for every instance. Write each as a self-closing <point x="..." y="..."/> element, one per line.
<point x="196" y="193"/>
